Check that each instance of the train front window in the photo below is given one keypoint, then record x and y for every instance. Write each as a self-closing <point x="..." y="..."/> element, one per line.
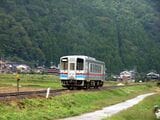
<point x="64" y="64"/>
<point x="80" y="64"/>
<point x="72" y="66"/>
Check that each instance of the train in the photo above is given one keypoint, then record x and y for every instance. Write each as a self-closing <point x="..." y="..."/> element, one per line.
<point x="80" y="71"/>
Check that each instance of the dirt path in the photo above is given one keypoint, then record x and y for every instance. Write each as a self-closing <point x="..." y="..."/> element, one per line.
<point x="111" y="110"/>
<point x="14" y="89"/>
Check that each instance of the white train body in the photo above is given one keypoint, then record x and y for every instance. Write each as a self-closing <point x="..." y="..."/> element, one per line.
<point x="81" y="71"/>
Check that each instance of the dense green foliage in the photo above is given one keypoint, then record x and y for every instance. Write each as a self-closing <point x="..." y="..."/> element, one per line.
<point x="123" y="33"/>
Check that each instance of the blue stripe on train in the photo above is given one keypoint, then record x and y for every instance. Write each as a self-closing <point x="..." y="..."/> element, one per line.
<point x="63" y="76"/>
<point x="81" y="76"/>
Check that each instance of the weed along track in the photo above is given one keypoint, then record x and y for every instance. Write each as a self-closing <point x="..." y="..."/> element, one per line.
<point x="52" y="93"/>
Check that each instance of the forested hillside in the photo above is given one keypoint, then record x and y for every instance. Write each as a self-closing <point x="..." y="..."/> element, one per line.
<point x="123" y="33"/>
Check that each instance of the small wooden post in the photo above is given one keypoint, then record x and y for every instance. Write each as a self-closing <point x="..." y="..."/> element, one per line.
<point x="18" y="79"/>
<point x="48" y="91"/>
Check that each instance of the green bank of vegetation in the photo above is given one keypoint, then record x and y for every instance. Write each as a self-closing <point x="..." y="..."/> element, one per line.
<point x="142" y="111"/>
<point x="68" y="104"/>
<point x="124" y="33"/>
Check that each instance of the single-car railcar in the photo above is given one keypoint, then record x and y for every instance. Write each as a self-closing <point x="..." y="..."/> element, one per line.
<point x="78" y="71"/>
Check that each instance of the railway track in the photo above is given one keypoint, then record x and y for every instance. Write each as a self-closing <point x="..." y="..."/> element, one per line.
<point x="42" y="93"/>
<point x="30" y="94"/>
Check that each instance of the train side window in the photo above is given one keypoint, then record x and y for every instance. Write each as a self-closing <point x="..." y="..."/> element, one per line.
<point x="90" y="67"/>
<point x="80" y="64"/>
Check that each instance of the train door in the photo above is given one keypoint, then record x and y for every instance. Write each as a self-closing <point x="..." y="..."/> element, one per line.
<point x="80" y="69"/>
<point x="71" y="70"/>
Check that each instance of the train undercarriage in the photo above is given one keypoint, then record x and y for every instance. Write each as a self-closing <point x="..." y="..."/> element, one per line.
<point x="81" y="84"/>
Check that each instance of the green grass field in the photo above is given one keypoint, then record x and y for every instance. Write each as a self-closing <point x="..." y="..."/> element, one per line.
<point x="33" y="81"/>
<point x="30" y="80"/>
<point x="61" y="106"/>
<point x="66" y="105"/>
<point x="36" y="81"/>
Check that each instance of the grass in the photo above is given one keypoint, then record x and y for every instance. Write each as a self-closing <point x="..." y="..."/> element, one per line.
<point x="60" y="106"/>
<point x="30" y="80"/>
<point x="35" y="81"/>
<point x="67" y="104"/>
<point x="142" y="111"/>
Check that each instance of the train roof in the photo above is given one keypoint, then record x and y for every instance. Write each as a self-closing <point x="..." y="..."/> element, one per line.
<point x="82" y="56"/>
